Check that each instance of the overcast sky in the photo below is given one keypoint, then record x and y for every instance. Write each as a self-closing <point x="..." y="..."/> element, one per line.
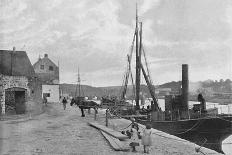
<point x="96" y="36"/>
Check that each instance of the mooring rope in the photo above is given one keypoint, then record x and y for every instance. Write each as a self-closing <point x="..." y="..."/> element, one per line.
<point x="188" y="129"/>
<point x="219" y="118"/>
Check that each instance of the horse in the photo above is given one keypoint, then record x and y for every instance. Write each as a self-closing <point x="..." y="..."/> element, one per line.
<point x="84" y="104"/>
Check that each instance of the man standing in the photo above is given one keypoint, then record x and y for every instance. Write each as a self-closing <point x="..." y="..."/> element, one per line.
<point x="64" y="101"/>
<point x="45" y="101"/>
<point x="201" y="99"/>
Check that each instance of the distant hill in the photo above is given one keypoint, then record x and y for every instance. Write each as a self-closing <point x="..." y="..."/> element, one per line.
<point x="206" y="87"/>
<point x="87" y="90"/>
<point x="174" y="85"/>
<point x="98" y="91"/>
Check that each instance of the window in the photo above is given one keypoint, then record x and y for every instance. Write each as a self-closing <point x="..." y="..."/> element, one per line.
<point x="41" y="66"/>
<point x="46" y="94"/>
<point x="50" y="68"/>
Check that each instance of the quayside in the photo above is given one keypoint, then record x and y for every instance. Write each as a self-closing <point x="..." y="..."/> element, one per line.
<point x="199" y="125"/>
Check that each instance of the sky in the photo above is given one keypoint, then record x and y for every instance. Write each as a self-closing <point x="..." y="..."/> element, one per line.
<point x="96" y="35"/>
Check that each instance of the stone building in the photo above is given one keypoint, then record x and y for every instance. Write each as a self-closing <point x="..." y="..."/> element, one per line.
<point x="18" y="82"/>
<point x="48" y="73"/>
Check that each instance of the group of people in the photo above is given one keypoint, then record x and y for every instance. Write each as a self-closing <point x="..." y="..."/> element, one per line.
<point x="135" y="135"/>
<point x="64" y="101"/>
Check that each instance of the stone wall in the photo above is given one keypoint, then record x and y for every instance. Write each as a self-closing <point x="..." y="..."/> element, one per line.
<point x="11" y="82"/>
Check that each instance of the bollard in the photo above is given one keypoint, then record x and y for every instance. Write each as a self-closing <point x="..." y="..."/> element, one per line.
<point x="200" y="112"/>
<point x="171" y="115"/>
<point x="107" y="117"/>
<point x="95" y="114"/>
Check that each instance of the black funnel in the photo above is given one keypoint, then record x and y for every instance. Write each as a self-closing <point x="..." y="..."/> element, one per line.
<point x="185" y="86"/>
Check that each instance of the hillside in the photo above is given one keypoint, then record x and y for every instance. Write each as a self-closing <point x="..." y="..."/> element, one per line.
<point x="98" y="91"/>
<point x="207" y="88"/>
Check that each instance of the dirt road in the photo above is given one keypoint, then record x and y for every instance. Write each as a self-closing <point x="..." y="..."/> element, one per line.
<point x="56" y="131"/>
<point x="59" y="131"/>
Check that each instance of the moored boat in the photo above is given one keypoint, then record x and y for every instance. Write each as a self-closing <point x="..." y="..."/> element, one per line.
<point x="202" y="126"/>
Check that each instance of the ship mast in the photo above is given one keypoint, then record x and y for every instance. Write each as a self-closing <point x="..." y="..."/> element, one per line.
<point x="138" y="62"/>
<point x="78" y="85"/>
<point x="79" y="82"/>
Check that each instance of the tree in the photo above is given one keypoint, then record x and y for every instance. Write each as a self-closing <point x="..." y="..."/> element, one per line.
<point x="221" y="81"/>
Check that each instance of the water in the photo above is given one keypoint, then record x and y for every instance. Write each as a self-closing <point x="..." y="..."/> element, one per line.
<point x="222" y="109"/>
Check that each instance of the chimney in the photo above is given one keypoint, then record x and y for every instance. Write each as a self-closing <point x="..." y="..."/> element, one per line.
<point x="39" y="58"/>
<point x="185" y="86"/>
<point x="45" y="55"/>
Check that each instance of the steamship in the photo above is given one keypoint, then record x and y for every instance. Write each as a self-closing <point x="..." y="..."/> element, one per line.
<point x="204" y="127"/>
<point x="199" y="125"/>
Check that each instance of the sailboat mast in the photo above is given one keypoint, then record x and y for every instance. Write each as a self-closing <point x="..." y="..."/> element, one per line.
<point x="79" y="82"/>
<point x="138" y="60"/>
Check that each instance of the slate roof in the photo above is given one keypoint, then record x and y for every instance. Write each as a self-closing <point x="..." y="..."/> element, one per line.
<point x="15" y="63"/>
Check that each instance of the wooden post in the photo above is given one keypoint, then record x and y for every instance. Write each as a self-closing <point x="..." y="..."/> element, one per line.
<point x="200" y="112"/>
<point x="189" y="114"/>
<point x="95" y="114"/>
<point x="171" y="115"/>
<point x="107" y="117"/>
<point x="178" y="114"/>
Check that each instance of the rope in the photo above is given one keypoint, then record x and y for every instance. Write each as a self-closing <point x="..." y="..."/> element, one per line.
<point x="148" y="71"/>
<point x="199" y="149"/>
<point x="188" y="129"/>
<point x="128" y="68"/>
<point x="168" y="137"/>
<point x="125" y="127"/>
<point x="220" y="118"/>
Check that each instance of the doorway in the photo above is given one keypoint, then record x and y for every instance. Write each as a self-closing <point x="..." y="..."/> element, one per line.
<point x="15" y="99"/>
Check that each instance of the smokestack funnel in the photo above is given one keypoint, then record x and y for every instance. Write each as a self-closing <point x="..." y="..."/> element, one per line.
<point x="185" y="86"/>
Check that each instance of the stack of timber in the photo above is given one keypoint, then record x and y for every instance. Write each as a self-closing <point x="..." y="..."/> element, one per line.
<point x="112" y="136"/>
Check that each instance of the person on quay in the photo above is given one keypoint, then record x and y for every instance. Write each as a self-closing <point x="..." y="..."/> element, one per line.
<point x="45" y="101"/>
<point x="64" y="101"/>
<point x="134" y="138"/>
<point x="146" y="138"/>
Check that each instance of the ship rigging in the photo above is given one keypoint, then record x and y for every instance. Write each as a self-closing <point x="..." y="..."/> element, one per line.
<point x="197" y="125"/>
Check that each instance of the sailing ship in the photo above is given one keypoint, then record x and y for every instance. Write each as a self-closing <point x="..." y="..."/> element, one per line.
<point x="80" y="100"/>
<point x="199" y="125"/>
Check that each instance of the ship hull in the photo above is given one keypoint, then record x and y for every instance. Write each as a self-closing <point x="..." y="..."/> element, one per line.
<point x="212" y="131"/>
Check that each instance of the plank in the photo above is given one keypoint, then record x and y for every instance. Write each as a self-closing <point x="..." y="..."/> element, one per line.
<point x="134" y="116"/>
<point x="109" y="131"/>
<point x="115" y="143"/>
